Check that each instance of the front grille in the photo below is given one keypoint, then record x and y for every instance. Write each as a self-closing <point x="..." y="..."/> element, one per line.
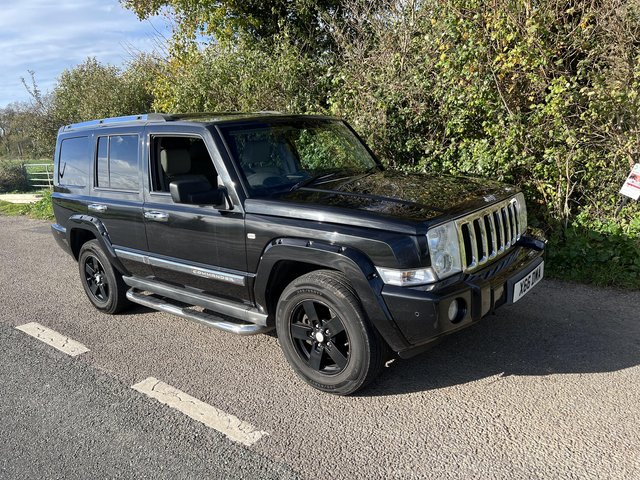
<point x="491" y="232"/>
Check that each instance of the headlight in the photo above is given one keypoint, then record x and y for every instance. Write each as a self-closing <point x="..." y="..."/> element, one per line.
<point x="445" y="260"/>
<point x="406" y="278"/>
<point x="444" y="249"/>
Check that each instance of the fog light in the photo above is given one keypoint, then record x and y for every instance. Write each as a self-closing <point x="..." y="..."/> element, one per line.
<point x="454" y="309"/>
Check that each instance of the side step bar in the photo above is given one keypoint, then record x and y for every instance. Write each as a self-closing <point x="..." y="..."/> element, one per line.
<point x="190" y="297"/>
<point x="204" y="318"/>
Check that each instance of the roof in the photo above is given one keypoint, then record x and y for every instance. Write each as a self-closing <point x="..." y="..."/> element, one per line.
<point x="204" y="117"/>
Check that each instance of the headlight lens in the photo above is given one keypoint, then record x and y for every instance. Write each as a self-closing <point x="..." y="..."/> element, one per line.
<point x="406" y="278"/>
<point x="444" y="249"/>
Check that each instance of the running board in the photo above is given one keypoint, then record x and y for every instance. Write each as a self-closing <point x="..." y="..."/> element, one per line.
<point x="243" y="313"/>
<point x="156" y="303"/>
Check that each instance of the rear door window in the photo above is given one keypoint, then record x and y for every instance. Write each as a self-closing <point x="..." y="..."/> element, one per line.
<point x="117" y="162"/>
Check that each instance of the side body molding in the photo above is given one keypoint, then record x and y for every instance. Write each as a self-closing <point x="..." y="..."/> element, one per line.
<point x="351" y="262"/>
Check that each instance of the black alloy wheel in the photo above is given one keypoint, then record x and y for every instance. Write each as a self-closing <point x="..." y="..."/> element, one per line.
<point x="320" y="337"/>
<point x="325" y="335"/>
<point x="96" y="278"/>
<point x="101" y="282"/>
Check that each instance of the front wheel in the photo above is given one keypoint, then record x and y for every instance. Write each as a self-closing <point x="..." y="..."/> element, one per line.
<point x="102" y="284"/>
<point x="324" y="334"/>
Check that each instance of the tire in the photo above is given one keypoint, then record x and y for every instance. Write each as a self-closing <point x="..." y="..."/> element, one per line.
<point x="102" y="284"/>
<point x="325" y="335"/>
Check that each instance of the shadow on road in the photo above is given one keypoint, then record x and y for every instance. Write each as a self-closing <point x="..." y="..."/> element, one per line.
<point x="558" y="328"/>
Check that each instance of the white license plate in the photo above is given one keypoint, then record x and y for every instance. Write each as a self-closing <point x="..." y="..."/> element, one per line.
<point x="521" y="288"/>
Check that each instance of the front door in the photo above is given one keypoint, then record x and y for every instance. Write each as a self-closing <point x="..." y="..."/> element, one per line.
<point x="196" y="246"/>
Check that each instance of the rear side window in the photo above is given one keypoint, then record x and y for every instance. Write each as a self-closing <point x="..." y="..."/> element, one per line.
<point x="73" y="167"/>
<point x="117" y="162"/>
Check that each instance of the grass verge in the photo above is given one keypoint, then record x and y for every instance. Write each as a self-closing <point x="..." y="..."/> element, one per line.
<point x="42" y="209"/>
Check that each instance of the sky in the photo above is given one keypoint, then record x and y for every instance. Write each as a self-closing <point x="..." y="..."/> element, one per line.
<point x="49" y="36"/>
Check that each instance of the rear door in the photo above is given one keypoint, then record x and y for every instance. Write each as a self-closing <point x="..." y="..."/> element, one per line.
<point x="117" y="192"/>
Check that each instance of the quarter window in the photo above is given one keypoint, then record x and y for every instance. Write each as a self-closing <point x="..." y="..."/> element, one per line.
<point x="72" y="167"/>
<point x="117" y="162"/>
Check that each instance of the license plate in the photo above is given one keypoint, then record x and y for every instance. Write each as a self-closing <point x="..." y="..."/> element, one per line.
<point x="521" y="288"/>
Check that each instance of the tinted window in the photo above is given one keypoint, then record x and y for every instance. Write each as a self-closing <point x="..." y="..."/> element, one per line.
<point x="194" y="153"/>
<point x="117" y="162"/>
<point x="74" y="165"/>
<point x="279" y="154"/>
<point x="123" y="162"/>
<point x="103" y="167"/>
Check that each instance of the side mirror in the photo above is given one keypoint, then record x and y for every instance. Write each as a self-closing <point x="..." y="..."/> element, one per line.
<point x="198" y="191"/>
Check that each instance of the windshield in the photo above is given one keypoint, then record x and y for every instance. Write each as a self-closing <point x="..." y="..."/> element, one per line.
<point x="279" y="155"/>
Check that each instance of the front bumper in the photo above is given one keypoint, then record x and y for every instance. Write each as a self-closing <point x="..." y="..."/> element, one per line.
<point x="421" y="313"/>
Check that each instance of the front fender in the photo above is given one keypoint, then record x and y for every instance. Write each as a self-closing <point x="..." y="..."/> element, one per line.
<point x="355" y="265"/>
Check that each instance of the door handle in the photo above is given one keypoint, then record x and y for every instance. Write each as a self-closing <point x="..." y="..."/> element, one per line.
<point x="97" y="207"/>
<point x="156" y="216"/>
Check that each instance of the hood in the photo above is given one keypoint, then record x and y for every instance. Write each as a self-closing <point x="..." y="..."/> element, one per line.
<point x="408" y="197"/>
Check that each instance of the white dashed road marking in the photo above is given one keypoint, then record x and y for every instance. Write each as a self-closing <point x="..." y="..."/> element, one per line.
<point x="53" y="338"/>
<point x="231" y="426"/>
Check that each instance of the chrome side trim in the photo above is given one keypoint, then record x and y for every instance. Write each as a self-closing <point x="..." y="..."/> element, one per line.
<point x="235" y="310"/>
<point x="135" y="257"/>
<point x="196" y="316"/>
<point x="218" y="275"/>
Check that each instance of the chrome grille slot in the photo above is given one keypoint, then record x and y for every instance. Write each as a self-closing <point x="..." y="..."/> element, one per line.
<point x="489" y="233"/>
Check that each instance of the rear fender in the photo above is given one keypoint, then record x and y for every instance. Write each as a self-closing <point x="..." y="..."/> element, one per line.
<point x="97" y="228"/>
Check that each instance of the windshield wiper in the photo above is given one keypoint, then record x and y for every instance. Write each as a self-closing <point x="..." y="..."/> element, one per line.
<point x="312" y="179"/>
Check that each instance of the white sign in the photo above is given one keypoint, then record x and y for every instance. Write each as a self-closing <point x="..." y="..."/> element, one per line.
<point x="631" y="187"/>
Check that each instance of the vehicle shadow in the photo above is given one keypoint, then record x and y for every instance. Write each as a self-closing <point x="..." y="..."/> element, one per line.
<point x="558" y="328"/>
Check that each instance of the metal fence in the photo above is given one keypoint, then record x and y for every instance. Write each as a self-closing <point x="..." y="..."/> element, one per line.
<point x="40" y="175"/>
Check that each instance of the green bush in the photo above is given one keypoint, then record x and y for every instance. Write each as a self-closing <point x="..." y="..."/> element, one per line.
<point x="604" y="254"/>
<point x="13" y="176"/>
<point x="42" y="209"/>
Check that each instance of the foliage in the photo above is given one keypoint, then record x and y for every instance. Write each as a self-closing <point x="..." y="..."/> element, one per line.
<point x="541" y="94"/>
<point x="27" y="129"/>
<point x="249" y="20"/>
<point x="89" y="90"/>
<point x="237" y="78"/>
<point x="92" y="90"/>
<point x="606" y="254"/>
<point x="13" y="176"/>
<point x="42" y="209"/>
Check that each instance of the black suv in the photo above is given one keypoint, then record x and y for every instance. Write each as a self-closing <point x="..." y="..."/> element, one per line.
<point x="246" y="222"/>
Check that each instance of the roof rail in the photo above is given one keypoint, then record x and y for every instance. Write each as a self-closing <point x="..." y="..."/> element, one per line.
<point x="145" y="118"/>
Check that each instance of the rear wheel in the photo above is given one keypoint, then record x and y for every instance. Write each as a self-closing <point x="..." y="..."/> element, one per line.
<point x="324" y="334"/>
<point x="102" y="284"/>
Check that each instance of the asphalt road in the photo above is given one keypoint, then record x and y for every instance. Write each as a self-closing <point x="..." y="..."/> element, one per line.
<point x="547" y="388"/>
